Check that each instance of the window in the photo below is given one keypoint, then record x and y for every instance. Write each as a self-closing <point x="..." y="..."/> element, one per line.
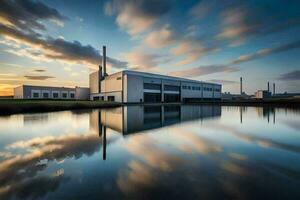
<point x="55" y="95"/>
<point x="72" y="95"/>
<point x="64" y="95"/>
<point x="171" y="88"/>
<point x="152" y="97"/>
<point x="152" y="86"/>
<point x="45" y="95"/>
<point x="36" y="95"/>
<point x="111" y="98"/>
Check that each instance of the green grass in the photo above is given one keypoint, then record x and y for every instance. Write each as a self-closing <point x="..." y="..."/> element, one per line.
<point x="11" y="106"/>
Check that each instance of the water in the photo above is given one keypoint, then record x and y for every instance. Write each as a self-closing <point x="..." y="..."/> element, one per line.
<point x="135" y="152"/>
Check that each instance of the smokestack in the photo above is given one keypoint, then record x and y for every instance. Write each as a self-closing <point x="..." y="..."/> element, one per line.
<point x="104" y="61"/>
<point x="241" y="85"/>
<point x="99" y="78"/>
<point x="268" y="86"/>
<point x="273" y="88"/>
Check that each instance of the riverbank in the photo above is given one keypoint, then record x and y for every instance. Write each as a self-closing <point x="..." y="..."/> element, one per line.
<point x="289" y="103"/>
<point x="14" y="106"/>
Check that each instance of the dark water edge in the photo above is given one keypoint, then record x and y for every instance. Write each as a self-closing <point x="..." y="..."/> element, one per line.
<point x="12" y="106"/>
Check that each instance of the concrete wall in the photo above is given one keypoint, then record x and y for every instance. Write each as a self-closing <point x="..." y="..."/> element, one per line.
<point x="28" y="92"/>
<point x="82" y="93"/>
<point x="18" y="92"/>
<point x="93" y="82"/>
<point x="134" y="88"/>
<point x="112" y="83"/>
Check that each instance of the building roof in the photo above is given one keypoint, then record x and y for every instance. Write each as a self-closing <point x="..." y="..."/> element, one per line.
<point x="52" y="87"/>
<point x="151" y="75"/>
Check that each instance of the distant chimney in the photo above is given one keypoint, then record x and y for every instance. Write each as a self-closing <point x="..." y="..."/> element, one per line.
<point x="273" y="88"/>
<point x="241" y="85"/>
<point x="99" y="78"/>
<point x="104" y="61"/>
<point x="268" y="86"/>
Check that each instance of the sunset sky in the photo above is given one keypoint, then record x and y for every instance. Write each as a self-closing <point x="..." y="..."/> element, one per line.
<point x="58" y="42"/>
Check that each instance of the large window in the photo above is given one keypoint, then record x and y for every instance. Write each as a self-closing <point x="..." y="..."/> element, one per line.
<point x="45" y="95"/>
<point x="171" y="97"/>
<point x="64" y="95"/>
<point x="55" y="95"/>
<point x="36" y="95"/>
<point x="171" y="88"/>
<point x="152" y="86"/>
<point x="152" y="97"/>
<point x="111" y="98"/>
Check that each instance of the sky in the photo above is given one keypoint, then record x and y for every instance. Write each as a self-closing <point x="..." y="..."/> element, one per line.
<point x="59" y="43"/>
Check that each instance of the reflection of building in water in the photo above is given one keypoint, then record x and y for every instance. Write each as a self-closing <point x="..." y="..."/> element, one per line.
<point x="266" y="112"/>
<point x="132" y="119"/>
<point x="35" y="118"/>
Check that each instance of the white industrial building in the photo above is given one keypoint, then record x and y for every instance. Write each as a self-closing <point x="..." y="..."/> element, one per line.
<point x="46" y="92"/>
<point x="139" y="87"/>
<point x="133" y="87"/>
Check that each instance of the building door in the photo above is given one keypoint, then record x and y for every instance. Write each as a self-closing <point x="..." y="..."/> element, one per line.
<point x="152" y="97"/>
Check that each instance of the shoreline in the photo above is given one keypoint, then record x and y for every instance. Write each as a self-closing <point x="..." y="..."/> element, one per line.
<point x="9" y="107"/>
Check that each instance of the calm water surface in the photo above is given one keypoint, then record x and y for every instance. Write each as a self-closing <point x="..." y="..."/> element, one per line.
<point x="136" y="152"/>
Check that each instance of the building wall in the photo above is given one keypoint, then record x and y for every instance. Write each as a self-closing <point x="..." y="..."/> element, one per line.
<point x="82" y="93"/>
<point x="30" y="90"/>
<point x="129" y="88"/>
<point x="134" y="89"/>
<point x="112" y="83"/>
<point x="18" y="92"/>
<point x="93" y="82"/>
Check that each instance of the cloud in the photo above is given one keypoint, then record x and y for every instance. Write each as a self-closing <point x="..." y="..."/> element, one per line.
<point x="137" y="16"/>
<point x="39" y="70"/>
<point x="265" y="52"/>
<point x="49" y="148"/>
<point x="224" y="82"/>
<point x="204" y="70"/>
<point x="141" y="60"/>
<point x="202" y="8"/>
<point x="26" y="14"/>
<point x="33" y="188"/>
<point x="192" y="50"/>
<point x="57" y="49"/>
<point x="160" y="38"/>
<point x="290" y="76"/>
<point x="237" y="22"/>
<point x="33" y="77"/>
<point x="242" y="20"/>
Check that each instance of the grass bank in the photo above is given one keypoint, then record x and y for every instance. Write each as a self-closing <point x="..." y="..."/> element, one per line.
<point x="13" y="106"/>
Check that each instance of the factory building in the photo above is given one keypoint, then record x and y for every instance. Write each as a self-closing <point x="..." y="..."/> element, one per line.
<point x="133" y="87"/>
<point x="139" y="87"/>
<point x="46" y="92"/>
<point x="262" y="94"/>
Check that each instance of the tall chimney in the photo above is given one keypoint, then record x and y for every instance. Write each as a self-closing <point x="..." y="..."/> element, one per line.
<point x="104" y="60"/>
<point x="268" y="86"/>
<point x="99" y="78"/>
<point x="273" y="88"/>
<point x="241" y="85"/>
